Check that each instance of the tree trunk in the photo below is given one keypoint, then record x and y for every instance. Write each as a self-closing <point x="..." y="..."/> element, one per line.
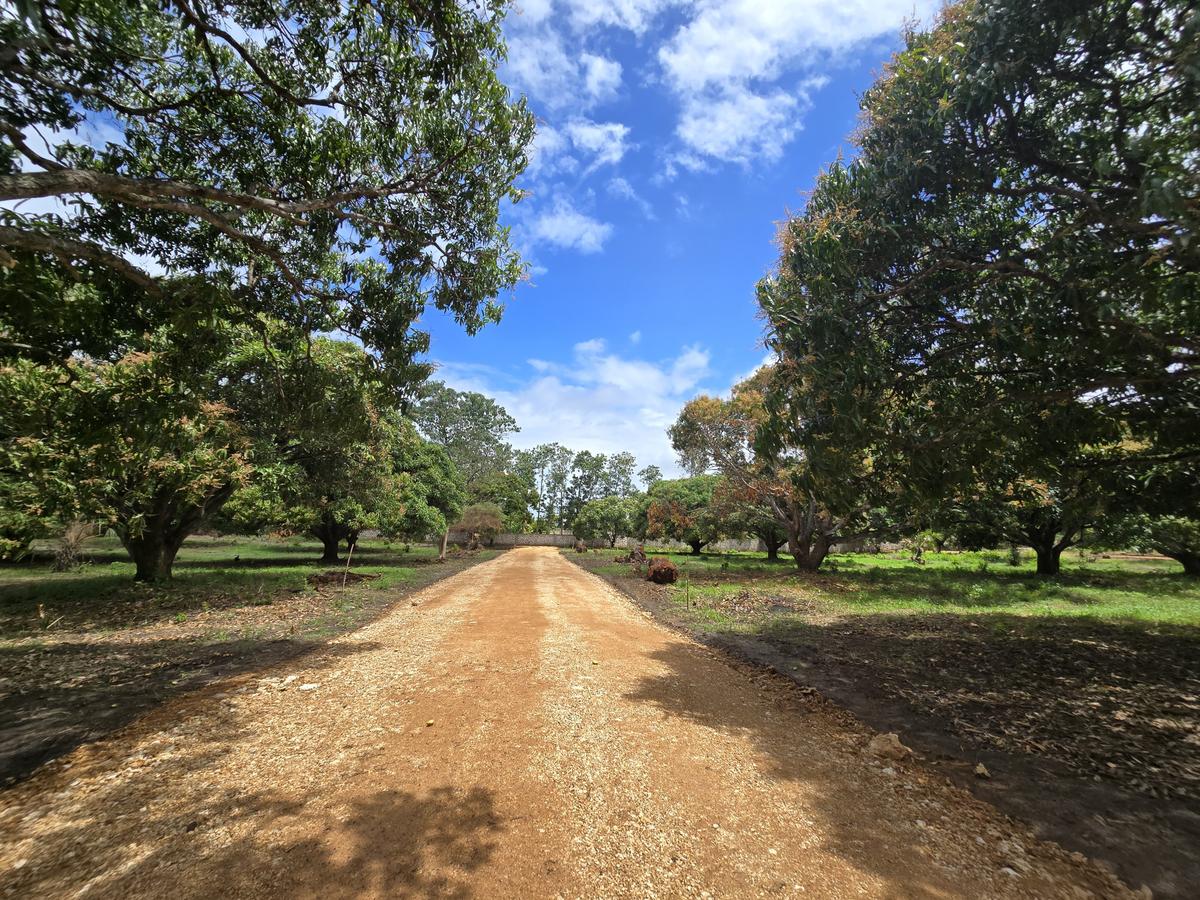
<point x="330" y="537"/>
<point x="351" y="539"/>
<point x="445" y="540"/>
<point x="773" y="549"/>
<point x="1190" y="561"/>
<point x="696" y="545"/>
<point x="811" y="553"/>
<point x="1048" y="556"/>
<point x="154" y="555"/>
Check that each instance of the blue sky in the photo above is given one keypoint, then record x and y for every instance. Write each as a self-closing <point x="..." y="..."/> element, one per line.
<point x="672" y="138"/>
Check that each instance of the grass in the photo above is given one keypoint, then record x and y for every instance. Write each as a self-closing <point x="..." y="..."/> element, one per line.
<point x="1117" y="589"/>
<point x="210" y="574"/>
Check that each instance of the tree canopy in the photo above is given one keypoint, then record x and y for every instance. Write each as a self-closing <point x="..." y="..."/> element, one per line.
<point x="333" y="166"/>
<point x="681" y="509"/>
<point x="996" y="294"/>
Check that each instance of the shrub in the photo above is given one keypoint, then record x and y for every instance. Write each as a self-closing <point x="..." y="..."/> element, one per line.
<point x="661" y="571"/>
<point x="69" y="552"/>
<point x="581" y="547"/>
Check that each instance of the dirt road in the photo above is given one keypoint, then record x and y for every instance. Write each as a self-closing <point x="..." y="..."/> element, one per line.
<point x="521" y="730"/>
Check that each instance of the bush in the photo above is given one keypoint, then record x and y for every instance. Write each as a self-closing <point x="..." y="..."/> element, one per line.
<point x="661" y="571"/>
<point x="581" y="547"/>
<point x="68" y="555"/>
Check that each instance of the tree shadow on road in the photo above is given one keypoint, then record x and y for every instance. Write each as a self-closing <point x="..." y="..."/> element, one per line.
<point x="158" y="812"/>
<point x="1059" y="684"/>
<point x="865" y="809"/>
<point x="73" y="692"/>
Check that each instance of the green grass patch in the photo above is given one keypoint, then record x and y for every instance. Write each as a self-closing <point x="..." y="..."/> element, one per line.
<point x="1111" y="589"/>
<point x="210" y="574"/>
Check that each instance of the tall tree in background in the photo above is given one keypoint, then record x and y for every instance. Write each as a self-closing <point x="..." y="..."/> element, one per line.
<point x="335" y="166"/>
<point x="619" y="475"/>
<point x="471" y="427"/>
<point x="649" y="475"/>
<point x="589" y="474"/>
<point x="998" y="292"/>
<point x="548" y="467"/>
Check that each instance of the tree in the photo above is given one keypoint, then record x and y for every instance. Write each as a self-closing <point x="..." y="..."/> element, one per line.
<point x="589" y="471"/>
<point x="481" y="520"/>
<point x="471" y="427"/>
<point x="992" y="297"/>
<point x="618" y="475"/>
<point x="135" y="444"/>
<point x="513" y="493"/>
<point x="1175" y="536"/>
<point x="681" y="509"/>
<point x="1155" y="512"/>
<point x="1047" y="517"/>
<point x="431" y="490"/>
<point x="609" y="518"/>
<point x="740" y="512"/>
<point x="648" y="475"/>
<point x="318" y="416"/>
<point x="335" y="166"/>
<point x="548" y="466"/>
<point x="770" y="476"/>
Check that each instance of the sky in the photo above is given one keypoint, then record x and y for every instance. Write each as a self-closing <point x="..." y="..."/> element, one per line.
<point x="673" y="137"/>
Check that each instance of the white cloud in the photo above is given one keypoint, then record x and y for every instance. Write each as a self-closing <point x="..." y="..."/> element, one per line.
<point x="549" y="154"/>
<point x="635" y="338"/>
<point x="739" y="125"/>
<point x="533" y="10"/>
<point x="621" y="188"/>
<point x="598" y="400"/>
<point x="601" y="76"/>
<point x="631" y="15"/>
<point x="743" y="70"/>
<point x="730" y="41"/>
<point x="604" y="141"/>
<point x="564" y="226"/>
<point x="540" y="64"/>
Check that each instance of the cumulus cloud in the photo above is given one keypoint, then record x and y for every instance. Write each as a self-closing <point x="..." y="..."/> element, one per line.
<point x="743" y="70"/>
<point x="598" y="400"/>
<point x="739" y="125"/>
<point x="555" y="77"/>
<point x="549" y="154"/>
<point x="562" y="225"/>
<point x="605" y="142"/>
<point x="601" y="76"/>
<point x="630" y="15"/>
<point x="735" y="41"/>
